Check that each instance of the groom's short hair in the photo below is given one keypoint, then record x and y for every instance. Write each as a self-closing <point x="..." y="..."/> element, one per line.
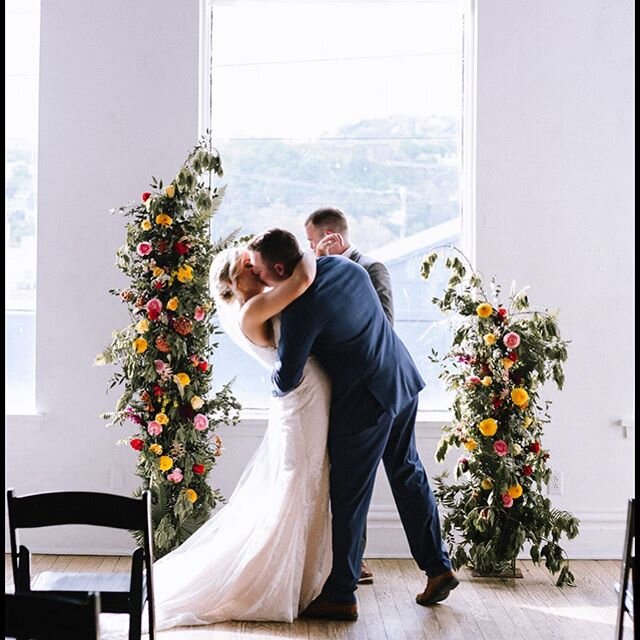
<point x="277" y="245"/>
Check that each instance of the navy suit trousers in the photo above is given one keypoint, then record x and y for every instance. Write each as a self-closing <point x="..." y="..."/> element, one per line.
<point x="355" y="456"/>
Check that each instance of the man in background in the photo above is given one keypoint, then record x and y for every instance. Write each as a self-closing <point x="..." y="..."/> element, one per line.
<point x="327" y="221"/>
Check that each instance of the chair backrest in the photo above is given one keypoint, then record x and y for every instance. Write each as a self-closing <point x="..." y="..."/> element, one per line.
<point x="78" y="507"/>
<point x="41" y="616"/>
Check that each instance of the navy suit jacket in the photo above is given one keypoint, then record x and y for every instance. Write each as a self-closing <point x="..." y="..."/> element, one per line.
<point x="340" y="320"/>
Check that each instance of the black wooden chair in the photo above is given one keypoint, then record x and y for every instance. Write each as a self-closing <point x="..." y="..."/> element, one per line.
<point x="119" y="592"/>
<point x="626" y="586"/>
<point x="31" y="616"/>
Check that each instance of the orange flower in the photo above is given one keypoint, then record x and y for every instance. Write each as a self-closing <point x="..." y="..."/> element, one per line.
<point x="488" y="427"/>
<point x="191" y="495"/>
<point x="484" y="310"/>
<point x="140" y="345"/>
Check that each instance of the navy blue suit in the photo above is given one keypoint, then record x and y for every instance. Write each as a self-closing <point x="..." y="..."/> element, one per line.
<point x="375" y="386"/>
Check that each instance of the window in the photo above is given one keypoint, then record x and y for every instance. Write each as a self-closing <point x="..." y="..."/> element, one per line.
<point x="22" y="33"/>
<point x="356" y="105"/>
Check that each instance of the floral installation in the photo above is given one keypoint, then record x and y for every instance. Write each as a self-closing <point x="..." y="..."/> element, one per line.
<point x="501" y="356"/>
<point x="165" y="351"/>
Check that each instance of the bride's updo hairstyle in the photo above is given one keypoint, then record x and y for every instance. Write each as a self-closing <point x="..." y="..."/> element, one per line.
<point x="225" y="269"/>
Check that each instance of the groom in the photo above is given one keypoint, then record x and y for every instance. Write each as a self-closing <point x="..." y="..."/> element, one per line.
<point x="374" y="401"/>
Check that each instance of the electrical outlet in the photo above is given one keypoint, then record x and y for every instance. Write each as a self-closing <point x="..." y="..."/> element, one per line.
<point x="555" y="484"/>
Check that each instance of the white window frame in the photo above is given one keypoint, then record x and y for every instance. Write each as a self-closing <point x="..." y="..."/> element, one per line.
<point x="430" y="419"/>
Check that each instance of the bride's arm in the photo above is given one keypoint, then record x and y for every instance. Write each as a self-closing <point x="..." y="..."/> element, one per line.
<point x="259" y="309"/>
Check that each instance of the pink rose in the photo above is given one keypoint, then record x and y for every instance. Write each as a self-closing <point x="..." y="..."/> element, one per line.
<point x="200" y="422"/>
<point x="199" y="314"/>
<point x="511" y="340"/>
<point x="154" y="428"/>
<point x="154" y="307"/>
<point x="175" y="476"/>
<point x="507" y="501"/>
<point x="144" y="248"/>
<point x="162" y="367"/>
<point x="471" y="380"/>
<point x="501" y="447"/>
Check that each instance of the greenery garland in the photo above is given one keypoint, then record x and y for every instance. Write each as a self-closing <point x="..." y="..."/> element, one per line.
<point x="500" y="357"/>
<point x="165" y="350"/>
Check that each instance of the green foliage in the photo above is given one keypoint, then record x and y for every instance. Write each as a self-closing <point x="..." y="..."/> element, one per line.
<point x="501" y="356"/>
<point x="165" y="351"/>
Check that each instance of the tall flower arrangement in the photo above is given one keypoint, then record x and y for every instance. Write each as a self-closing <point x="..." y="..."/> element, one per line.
<point x="501" y="355"/>
<point x="165" y="350"/>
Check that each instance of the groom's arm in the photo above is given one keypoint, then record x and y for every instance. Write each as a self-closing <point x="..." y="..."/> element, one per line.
<point x="298" y="330"/>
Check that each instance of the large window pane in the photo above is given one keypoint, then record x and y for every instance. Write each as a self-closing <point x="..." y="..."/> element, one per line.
<point x="356" y="105"/>
<point x="22" y="36"/>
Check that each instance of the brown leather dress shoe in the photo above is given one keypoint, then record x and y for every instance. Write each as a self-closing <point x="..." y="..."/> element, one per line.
<point x="438" y="589"/>
<point x="321" y="608"/>
<point x="366" y="575"/>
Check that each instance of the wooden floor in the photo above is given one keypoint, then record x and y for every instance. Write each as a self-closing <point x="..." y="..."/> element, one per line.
<point x="531" y="608"/>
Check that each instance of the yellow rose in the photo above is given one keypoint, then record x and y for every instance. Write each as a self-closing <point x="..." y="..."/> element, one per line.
<point x="162" y="418"/>
<point x="142" y="326"/>
<point x="155" y="448"/>
<point x="170" y="191"/>
<point x="146" y="225"/>
<point x="484" y="310"/>
<point x="515" y="491"/>
<point x="488" y="427"/>
<point x="185" y="273"/>
<point x="197" y="402"/>
<point x="182" y="379"/>
<point x="157" y="272"/>
<point x="490" y="339"/>
<point x="471" y="444"/>
<point x="519" y="397"/>
<point x="165" y="463"/>
<point x="140" y="345"/>
<point x="527" y="421"/>
<point x="192" y="496"/>
<point x="163" y="219"/>
<point x="486" y="484"/>
<point x="486" y="381"/>
<point x="172" y="304"/>
<point x="507" y="363"/>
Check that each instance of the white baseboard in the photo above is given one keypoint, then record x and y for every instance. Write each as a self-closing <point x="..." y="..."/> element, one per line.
<point x="601" y="537"/>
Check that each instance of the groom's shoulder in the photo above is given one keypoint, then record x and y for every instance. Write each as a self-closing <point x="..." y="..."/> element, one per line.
<point x="340" y="263"/>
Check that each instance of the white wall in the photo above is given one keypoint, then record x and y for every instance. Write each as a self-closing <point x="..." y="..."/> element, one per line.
<point x="554" y="210"/>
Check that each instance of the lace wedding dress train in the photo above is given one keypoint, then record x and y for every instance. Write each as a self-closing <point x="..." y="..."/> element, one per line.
<point x="266" y="553"/>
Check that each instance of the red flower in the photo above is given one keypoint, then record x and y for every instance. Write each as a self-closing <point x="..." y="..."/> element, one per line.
<point x="158" y="285"/>
<point x="145" y="196"/>
<point x="158" y="390"/>
<point x="137" y="444"/>
<point x="534" y="447"/>
<point x="527" y="470"/>
<point x="203" y="365"/>
<point x="502" y="312"/>
<point x="198" y="468"/>
<point x="496" y="402"/>
<point x="513" y="356"/>
<point x="187" y="411"/>
<point x="181" y="248"/>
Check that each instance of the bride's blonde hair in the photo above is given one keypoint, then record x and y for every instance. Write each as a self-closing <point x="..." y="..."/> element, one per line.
<point x="225" y="269"/>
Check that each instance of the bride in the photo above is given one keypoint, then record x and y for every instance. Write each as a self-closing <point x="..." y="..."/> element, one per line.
<point x="266" y="554"/>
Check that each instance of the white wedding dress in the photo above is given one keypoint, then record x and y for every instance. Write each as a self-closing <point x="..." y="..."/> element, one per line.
<point x="266" y="553"/>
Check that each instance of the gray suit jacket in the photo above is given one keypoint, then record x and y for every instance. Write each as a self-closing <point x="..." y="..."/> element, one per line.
<point x="380" y="279"/>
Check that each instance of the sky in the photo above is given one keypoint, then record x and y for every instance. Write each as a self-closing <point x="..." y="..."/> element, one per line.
<point x="299" y="69"/>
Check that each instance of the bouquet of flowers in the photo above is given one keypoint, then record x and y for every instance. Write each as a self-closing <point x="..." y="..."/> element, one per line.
<point x="165" y="350"/>
<point x="501" y="356"/>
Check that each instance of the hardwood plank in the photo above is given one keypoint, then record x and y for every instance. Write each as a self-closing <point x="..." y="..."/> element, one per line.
<point x="532" y="608"/>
